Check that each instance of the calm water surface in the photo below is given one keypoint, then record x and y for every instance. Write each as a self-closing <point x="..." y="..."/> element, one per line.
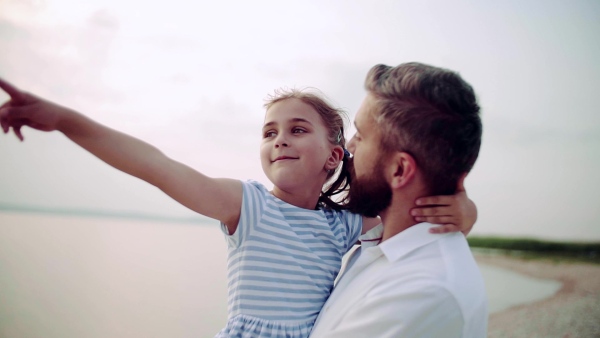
<point x="66" y="276"/>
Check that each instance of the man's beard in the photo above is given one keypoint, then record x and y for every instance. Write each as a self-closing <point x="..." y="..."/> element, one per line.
<point x="369" y="194"/>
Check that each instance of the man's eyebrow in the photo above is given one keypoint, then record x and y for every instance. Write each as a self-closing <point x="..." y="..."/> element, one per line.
<point x="295" y="119"/>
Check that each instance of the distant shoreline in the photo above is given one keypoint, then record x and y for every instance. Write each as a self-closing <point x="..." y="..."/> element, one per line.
<point x="529" y="248"/>
<point x="95" y="213"/>
<point x="524" y="247"/>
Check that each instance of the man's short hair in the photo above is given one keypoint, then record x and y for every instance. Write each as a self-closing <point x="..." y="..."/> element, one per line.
<point x="430" y="113"/>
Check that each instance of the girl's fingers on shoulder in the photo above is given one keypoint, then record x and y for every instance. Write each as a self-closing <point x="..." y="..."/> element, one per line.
<point x="430" y="211"/>
<point x="436" y="219"/>
<point x="444" y="228"/>
<point x="435" y="200"/>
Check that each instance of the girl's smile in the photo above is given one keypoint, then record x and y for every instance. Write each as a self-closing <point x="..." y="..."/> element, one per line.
<point x="283" y="158"/>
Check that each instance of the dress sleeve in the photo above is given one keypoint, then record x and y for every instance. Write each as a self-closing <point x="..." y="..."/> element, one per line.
<point x="253" y="201"/>
<point x="353" y="224"/>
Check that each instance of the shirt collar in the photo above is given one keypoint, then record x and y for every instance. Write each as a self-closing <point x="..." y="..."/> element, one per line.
<point x="371" y="237"/>
<point x="409" y="240"/>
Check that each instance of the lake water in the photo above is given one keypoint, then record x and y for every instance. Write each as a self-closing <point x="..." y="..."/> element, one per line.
<point x="72" y="276"/>
<point x="506" y="288"/>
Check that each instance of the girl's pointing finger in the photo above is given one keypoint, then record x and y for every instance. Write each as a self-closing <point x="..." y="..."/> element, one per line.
<point x="11" y="90"/>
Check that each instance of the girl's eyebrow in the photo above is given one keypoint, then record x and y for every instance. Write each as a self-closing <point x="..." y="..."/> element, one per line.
<point x="295" y="119"/>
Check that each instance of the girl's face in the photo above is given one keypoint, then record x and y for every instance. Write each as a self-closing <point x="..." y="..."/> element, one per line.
<point x="295" y="152"/>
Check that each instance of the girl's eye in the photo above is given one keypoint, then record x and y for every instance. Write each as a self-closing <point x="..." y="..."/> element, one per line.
<point x="269" y="134"/>
<point x="298" y="130"/>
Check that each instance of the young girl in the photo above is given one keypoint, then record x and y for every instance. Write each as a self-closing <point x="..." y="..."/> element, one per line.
<point x="285" y="245"/>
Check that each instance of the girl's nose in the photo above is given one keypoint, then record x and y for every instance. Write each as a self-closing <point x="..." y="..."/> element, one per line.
<point x="281" y="141"/>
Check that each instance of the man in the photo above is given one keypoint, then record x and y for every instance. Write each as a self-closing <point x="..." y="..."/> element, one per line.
<point x="418" y="134"/>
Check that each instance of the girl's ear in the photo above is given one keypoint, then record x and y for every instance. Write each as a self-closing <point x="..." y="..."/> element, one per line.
<point x="402" y="169"/>
<point x="334" y="159"/>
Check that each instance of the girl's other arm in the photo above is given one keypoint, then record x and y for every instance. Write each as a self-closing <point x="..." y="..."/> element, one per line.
<point x="454" y="213"/>
<point x="220" y="199"/>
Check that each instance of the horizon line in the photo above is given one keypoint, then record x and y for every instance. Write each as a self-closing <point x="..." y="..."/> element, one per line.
<point x="84" y="212"/>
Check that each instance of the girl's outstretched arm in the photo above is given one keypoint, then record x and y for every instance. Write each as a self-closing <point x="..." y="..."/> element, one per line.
<point x="220" y="199"/>
<point x="453" y="213"/>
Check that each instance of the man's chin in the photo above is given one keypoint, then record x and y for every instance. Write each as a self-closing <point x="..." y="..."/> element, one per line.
<point x="369" y="197"/>
<point x="369" y="194"/>
<point x="368" y="209"/>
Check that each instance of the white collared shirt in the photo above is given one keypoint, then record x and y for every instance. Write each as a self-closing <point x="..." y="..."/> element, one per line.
<point x="415" y="284"/>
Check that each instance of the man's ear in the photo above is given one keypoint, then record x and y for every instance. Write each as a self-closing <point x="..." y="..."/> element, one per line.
<point x="461" y="183"/>
<point x="334" y="159"/>
<point x="403" y="168"/>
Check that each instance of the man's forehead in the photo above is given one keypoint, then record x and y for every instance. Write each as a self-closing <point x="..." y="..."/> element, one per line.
<point x="364" y="117"/>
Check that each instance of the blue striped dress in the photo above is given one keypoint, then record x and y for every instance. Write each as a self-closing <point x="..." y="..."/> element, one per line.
<point x="282" y="261"/>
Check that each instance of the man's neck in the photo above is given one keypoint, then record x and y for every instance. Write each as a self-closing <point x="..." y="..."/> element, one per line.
<point x="396" y="218"/>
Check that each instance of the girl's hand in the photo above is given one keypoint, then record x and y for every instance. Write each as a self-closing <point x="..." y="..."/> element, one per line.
<point x="452" y="213"/>
<point x="24" y="109"/>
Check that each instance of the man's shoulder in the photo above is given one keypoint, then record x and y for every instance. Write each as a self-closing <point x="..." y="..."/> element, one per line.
<point x="415" y="288"/>
<point x="444" y="266"/>
<point x="447" y="262"/>
<point x="418" y="250"/>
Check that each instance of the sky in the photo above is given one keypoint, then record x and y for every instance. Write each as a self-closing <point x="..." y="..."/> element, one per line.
<point x="190" y="77"/>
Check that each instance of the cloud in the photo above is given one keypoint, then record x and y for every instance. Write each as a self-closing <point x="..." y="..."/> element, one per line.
<point x="40" y="56"/>
<point x="104" y="19"/>
<point x="505" y="129"/>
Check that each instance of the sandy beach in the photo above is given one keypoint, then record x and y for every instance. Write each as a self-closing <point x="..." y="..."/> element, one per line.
<point x="573" y="312"/>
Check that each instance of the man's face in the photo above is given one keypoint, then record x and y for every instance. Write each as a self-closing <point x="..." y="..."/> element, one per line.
<point x="369" y="193"/>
